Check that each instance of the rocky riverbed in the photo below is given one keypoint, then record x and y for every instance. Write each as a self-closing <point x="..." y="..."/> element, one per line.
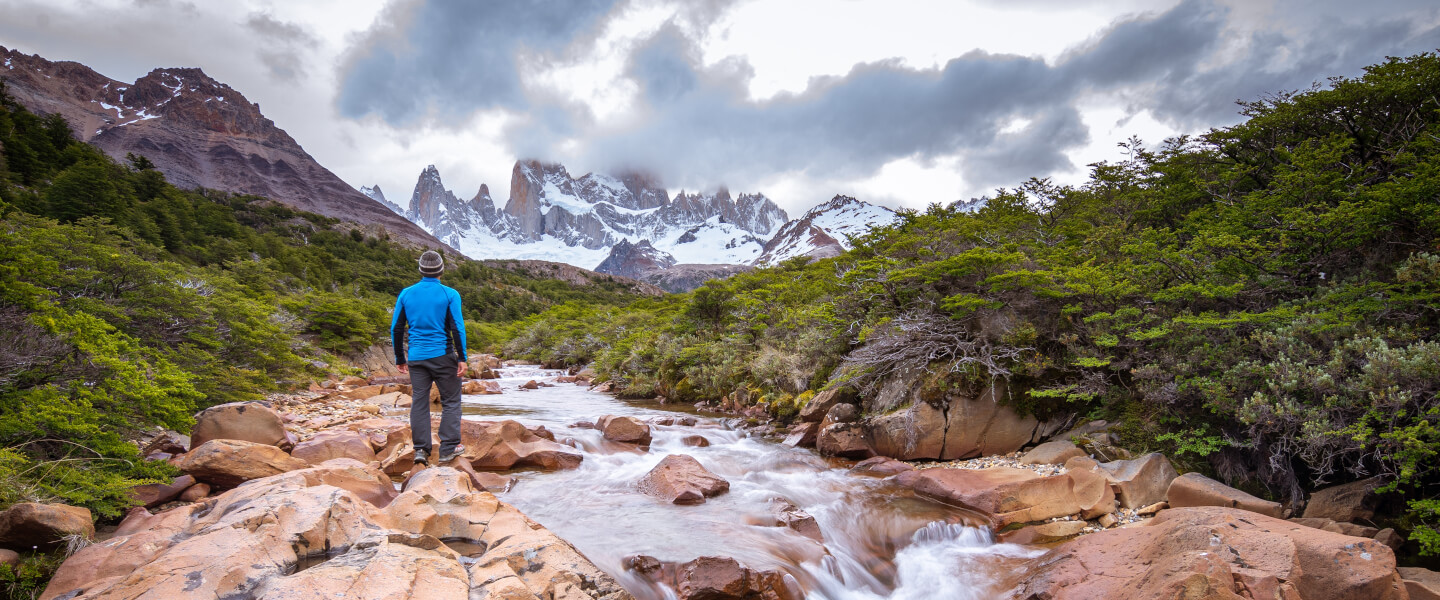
<point x="565" y="492"/>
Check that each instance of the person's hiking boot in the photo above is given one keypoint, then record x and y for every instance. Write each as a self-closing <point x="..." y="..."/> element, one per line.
<point x="422" y="457"/>
<point x="449" y="456"/>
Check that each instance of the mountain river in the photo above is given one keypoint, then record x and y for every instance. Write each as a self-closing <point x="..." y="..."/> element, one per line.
<point x="880" y="540"/>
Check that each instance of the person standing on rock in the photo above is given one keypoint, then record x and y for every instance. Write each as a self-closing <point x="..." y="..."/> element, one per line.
<point x="429" y="312"/>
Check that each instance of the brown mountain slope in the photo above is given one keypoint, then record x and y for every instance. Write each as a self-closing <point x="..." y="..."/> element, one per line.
<point x="198" y="132"/>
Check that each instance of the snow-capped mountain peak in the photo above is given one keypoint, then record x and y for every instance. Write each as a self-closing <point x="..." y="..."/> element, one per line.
<point x="553" y="216"/>
<point x="625" y="224"/>
<point x="825" y="230"/>
<point x="374" y="193"/>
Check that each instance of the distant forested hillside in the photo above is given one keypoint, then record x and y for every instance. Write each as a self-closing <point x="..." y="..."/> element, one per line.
<point x="127" y="304"/>
<point x="1261" y="302"/>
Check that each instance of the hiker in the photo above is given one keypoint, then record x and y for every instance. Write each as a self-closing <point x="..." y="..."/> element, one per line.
<point x="430" y="311"/>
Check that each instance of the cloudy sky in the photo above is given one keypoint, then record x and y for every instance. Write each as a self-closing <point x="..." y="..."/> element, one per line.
<point x="898" y="102"/>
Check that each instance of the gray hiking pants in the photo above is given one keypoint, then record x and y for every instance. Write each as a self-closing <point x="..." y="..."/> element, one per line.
<point x="440" y="371"/>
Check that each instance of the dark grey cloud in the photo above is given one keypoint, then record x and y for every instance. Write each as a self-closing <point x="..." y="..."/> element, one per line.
<point x="1274" y="62"/>
<point x="284" y="45"/>
<point x="701" y="125"/>
<point x="696" y="122"/>
<point x="449" y="58"/>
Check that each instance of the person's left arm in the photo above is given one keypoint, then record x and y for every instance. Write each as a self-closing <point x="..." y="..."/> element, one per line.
<point x="457" y="330"/>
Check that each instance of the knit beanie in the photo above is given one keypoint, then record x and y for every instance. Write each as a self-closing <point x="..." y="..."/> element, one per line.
<point x="431" y="264"/>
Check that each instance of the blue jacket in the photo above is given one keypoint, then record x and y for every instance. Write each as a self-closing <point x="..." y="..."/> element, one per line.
<point x="430" y="311"/>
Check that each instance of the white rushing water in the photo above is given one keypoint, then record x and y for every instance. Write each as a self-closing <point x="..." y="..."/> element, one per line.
<point x="880" y="540"/>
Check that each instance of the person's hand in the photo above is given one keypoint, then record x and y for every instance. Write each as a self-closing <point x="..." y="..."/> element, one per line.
<point x="460" y="370"/>
<point x="404" y="368"/>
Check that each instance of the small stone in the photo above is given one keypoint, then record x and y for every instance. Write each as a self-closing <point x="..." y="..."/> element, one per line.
<point x="195" y="493"/>
<point x="1388" y="537"/>
<point x="1108" y="520"/>
<point x="1152" y="509"/>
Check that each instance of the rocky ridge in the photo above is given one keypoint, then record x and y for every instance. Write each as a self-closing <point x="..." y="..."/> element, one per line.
<point x="197" y="131"/>
<point x="551" y="215"/>
<point x="600" y="219"/>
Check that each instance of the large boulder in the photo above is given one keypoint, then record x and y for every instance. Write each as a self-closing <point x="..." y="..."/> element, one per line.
<point x="954" y="426"/>
<point x="27" y="525"/>
<point x="715" y="578"/>
<point x="195" y="493"/>
<point x="1210" y="552"/>
<point x="151" y="495"/>
<point x="815" y="410"/>
<point x="841" y="413"/>
<point x="444" y="503"/>
<point x="1423" y="584"/>
<point x="1052" y="453"/>
<point x="880" y="466"/>
<point x="803" y="435"/>
<point x="1093" y="492"/>
<point x="916" y="432"/>
<point x="1194" y="489"/>
<point x="504" y="445"/>
<point x="1139" y="482"/>
<point x="626" y="430"/>
<point x="1012" y="495"/>
<point x="680" y="479"/>
<point x="243" y="421"/>
<point x="846" y="440"/>
<point x="788" y="515"/>
<point x="332" y="444"/>
<point x="1354" y="501"/>
<point x="724" y="578"/>
<point x="228" y="463"/>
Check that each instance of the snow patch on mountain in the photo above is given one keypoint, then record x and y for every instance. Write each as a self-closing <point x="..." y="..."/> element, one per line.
<point x="375" y="193"/>
<point x="824" y="231"/>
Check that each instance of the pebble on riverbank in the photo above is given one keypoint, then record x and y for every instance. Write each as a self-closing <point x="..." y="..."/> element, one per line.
<point x="986" y="462"/>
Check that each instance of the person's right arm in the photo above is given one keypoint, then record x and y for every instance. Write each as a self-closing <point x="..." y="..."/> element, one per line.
<point x="398" y="326"/>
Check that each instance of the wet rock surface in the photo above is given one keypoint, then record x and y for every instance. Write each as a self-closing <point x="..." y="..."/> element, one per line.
<point x="680" y="479"/>
<point x="295" y="535"/>
<point x="1210" y="552"/>
<point x="263" y="523"/>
